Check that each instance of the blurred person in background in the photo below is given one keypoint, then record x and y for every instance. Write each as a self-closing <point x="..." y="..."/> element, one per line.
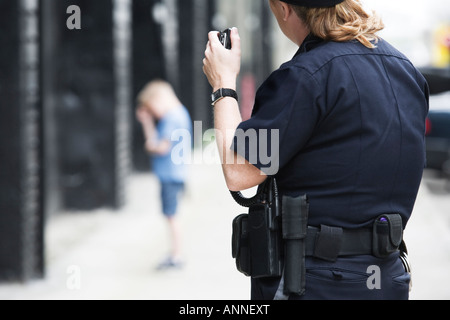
<point x="350" y="110"/>
<point x="161" y="113"/>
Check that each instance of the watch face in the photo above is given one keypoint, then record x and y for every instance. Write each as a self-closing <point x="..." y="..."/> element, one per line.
<point x="216" y="96"/>
<point x="221" y="93"/>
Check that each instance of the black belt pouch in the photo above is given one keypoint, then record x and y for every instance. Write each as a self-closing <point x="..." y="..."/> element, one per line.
<point x="240" y="244"/>
<point x="387" y="235"/>
<point x="256" y="242"/>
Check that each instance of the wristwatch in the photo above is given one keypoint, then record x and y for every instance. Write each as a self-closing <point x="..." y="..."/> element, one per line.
<point x="222" y="93"/>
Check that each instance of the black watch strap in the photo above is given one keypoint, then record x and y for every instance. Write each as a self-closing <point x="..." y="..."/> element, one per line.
<point x="222" y="93"/>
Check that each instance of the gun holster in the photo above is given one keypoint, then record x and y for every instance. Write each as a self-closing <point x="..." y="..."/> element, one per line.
<point x="256" y="240"/>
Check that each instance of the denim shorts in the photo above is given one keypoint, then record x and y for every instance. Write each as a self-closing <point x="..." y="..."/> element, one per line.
<point x="170" y="192"/>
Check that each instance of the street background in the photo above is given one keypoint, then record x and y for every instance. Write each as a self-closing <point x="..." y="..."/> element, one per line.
<point x="79" y="207"/>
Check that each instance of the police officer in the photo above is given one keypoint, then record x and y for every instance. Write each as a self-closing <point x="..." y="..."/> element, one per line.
<point x="349" y="112"/>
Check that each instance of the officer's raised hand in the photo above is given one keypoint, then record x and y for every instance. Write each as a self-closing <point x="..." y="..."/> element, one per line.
<point x="222" y="66"/>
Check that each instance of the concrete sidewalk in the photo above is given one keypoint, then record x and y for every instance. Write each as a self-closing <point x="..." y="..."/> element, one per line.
<point x="428" y="239"/>
<point x="115" y="252"/>
<point x="112" y="255"/>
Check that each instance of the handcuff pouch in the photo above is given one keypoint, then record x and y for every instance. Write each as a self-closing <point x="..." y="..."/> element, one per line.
<point x="387" y="235"/>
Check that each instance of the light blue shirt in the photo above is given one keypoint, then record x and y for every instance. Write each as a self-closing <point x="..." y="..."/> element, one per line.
<point x="163" y="165"/>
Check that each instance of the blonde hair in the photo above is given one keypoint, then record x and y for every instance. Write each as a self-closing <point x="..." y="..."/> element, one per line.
<point x="344" y="22"/>
<point x="153" y="89"/>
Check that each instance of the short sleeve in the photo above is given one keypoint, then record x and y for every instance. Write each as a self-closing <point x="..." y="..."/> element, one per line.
<point x="284" y="116"/>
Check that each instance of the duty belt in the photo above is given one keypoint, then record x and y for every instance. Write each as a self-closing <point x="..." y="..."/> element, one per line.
<point x="381" y="239"/>
<point x="271" y="241"/>
<point x="328" y="243"/>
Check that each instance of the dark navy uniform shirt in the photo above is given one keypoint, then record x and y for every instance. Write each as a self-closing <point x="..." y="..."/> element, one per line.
<point x="351" y="124"/>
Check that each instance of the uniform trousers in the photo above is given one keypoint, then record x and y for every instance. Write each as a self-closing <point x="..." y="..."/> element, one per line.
<point x="362" y="277"/>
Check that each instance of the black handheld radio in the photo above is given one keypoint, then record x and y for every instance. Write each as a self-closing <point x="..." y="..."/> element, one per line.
<point x="225" y="38"/>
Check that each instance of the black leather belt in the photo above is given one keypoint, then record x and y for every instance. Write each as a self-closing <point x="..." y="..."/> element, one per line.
<point x="328" y="243"/>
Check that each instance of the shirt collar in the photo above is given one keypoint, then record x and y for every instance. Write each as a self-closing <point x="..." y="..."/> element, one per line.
<point x="310" y="42"/>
